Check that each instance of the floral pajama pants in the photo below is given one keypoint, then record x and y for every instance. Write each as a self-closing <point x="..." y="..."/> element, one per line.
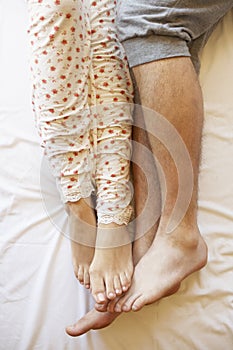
<point x="81" y="98"/>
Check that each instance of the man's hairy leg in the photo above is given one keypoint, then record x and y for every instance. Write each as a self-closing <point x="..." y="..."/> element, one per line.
<point x="170" y="88"/>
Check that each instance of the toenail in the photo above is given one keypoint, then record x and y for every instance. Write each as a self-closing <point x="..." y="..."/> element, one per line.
<point x="111" y="295"/>
<point x="134" y="308"/>
<point x="117" y="308"/>
<point x="124" y="288"/>
<point x="124" y="308"/>
<point x="118" y="291"/>
<point x="101" y="297"/>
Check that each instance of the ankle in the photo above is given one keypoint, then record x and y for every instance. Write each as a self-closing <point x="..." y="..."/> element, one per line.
<point x="185" y="234"/>
<point x="80" y="208"/>
<point x="112" y="236"/>
<point x="111" y="225"/>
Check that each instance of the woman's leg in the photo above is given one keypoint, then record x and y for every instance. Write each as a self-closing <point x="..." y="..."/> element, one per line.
<point x="112" y="267"/>
<point x="60" y="57"/>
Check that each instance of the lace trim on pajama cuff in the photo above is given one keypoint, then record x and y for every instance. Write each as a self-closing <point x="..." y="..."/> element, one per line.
<point x="122" y="218"/>
<point x="76" y="195"/>
<point x="140" y="50"/>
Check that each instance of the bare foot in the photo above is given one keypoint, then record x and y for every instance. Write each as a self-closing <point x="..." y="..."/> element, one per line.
<point x="159" y="273"/>
<point x="82" y="226"/>
<point x="99" y="318"/>
<point x="92" y="320"/>
<point x="112" y="267"/>
<point x="140" y="247"/>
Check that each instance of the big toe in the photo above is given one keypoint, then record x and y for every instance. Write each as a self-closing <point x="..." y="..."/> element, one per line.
<point x="101" y="307"/>
<point x="92" y="320"/>
<point x="98" y="288"/>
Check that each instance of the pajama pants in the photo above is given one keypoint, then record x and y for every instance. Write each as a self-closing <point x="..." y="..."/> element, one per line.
<point x="156" y="29"/>
<point x="81" y="96"/>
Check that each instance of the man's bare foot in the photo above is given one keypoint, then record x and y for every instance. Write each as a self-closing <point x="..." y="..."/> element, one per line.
<point x="112" y="266"/>
<point x="170" y="259"/>
<point x="82" y="226"/>
<point x="92" y="320"/>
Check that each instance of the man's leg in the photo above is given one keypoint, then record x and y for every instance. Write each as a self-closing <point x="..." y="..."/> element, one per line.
<point x="147" y="192"/>
<point x="170" y="87"/>
<point x="168" y="84"/>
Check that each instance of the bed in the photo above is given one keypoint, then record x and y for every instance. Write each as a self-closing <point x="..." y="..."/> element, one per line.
<point x="39" y="294"/>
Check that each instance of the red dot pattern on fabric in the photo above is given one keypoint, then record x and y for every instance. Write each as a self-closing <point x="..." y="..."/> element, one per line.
<point x="77" y="63"/>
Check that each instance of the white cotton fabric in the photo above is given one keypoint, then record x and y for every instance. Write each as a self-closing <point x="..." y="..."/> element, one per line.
<point x="82" y="95"/>
<point x="38" y="292"/>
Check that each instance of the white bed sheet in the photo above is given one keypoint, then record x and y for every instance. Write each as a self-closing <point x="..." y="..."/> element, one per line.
<point x="38" y="291"/>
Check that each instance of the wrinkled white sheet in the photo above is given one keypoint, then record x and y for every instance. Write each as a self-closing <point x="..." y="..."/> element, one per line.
<point x="38" y="291"/>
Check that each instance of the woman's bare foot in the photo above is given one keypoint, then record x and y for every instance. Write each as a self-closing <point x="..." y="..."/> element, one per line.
<point x="112" y="266"/>
<point x="82" y="226"/>
<point x="140" y="247"/>
<point x="170" y="259"/>
<point x="92" y="320"/>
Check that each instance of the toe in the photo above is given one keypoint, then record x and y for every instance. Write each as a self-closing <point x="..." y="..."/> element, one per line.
<point x="117" y="285"/>
<point x="101" y="307"/>
<point x="112" y="304"/>
<point x="86" y="279"/>
<point x="125" y="282"/>
<point x="97" y="288"/>
<point x="125" y="303"/>
<point x="119" y="304"/>
<point x="110" y="291"/>
<point x="138" y="303"/>
<point x="75" y="268"/>
<point x="80" y="275"/>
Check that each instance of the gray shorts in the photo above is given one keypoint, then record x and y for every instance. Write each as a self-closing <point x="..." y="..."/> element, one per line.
<point x="155" y="29"/>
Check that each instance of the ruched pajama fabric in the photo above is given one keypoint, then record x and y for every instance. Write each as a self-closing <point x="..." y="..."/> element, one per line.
<point x="82" y="95"/>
